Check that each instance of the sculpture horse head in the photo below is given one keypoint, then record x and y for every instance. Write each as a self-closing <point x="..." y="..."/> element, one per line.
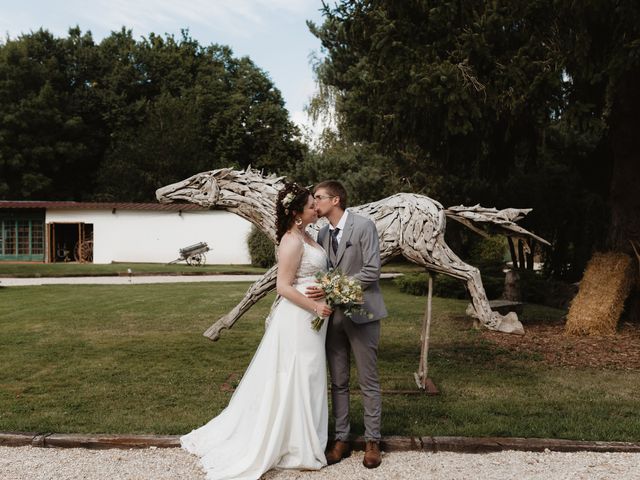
<point x="224" y="188"/>
<point x="247" y="193"/>
<point x="202" y="189"/>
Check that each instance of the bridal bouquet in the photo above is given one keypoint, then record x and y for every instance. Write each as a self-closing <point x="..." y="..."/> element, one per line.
<point x="339" y="291"/>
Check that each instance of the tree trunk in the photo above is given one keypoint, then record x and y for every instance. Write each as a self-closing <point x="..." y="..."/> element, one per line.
<point x="625" y="182"/>
<point x="521" y="258"/>
<point x="512" y="291"/>
<point x="512" y="250"/>
<point x="531" y="255"/>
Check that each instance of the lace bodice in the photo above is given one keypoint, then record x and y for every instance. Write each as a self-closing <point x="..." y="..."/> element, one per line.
<point x="314" y="260"/>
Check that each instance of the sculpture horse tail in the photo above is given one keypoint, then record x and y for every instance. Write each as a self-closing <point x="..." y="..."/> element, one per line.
<point x="479" y="218"/>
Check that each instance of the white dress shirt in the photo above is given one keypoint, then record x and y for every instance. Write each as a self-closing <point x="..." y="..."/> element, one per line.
<point x="340" y="225"/>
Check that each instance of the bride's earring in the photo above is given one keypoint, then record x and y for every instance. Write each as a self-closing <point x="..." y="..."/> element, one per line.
<point x="298" y="222"/>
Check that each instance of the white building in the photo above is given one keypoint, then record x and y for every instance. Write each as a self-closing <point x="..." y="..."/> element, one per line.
<point x="118" y="232"/>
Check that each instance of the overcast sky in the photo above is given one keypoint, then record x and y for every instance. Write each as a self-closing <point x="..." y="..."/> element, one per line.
<point x="273" y="33"/>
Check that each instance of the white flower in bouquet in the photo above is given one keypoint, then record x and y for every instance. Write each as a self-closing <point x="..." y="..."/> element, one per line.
<point x="340" y="291"/>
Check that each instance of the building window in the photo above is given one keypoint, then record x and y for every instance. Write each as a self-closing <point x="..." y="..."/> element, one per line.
<point x="37" y="238"/>
<point x="24" y="237"/>
<point x="9" y="234"/>
<point x="21" y="236"/>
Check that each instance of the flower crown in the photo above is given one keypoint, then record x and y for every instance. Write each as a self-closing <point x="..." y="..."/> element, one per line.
<point x="286" y="201"/>
<point x="290" y="197"/>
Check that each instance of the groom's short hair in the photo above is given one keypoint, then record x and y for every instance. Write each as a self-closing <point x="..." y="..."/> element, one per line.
<point x="334" y="187"/>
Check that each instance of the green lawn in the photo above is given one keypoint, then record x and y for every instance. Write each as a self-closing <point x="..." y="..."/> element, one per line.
<point x="8" y="269"/>
<point x="11" y="269"/>
<point x="132" y="359"/>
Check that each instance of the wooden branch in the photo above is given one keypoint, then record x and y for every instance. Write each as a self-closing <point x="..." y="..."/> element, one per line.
<point x="421" y="376"/>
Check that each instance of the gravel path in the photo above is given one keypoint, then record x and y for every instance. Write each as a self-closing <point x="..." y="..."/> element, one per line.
<point x="22" y="463"/>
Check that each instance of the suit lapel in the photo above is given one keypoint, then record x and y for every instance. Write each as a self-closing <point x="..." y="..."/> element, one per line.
<point x="344" y="240"/>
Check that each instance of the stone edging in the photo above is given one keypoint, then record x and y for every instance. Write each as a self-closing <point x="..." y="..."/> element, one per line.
<point x="388" y="444"/>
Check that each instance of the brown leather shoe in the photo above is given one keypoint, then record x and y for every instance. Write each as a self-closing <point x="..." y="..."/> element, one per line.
<point x="337" y="452"/>
<point x="372" y="456"/>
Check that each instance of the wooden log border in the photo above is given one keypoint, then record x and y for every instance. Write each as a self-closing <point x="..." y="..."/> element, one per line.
<point x="387" y="444"/>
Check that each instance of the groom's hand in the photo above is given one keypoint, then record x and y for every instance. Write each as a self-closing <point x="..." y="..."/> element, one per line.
<point x="314" y="293"/>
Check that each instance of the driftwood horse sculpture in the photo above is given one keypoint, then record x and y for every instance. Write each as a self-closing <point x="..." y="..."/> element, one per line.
<point x="408" y="224"/>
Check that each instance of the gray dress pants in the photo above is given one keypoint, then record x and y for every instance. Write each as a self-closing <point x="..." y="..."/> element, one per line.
<point x="344" y="337"/>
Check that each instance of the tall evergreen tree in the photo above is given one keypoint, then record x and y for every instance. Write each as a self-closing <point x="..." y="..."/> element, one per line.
<point x="601" y="45"/>
<point x="519" y="103"/>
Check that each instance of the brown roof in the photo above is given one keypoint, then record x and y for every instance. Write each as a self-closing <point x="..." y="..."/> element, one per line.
<point x="172" y="207"/>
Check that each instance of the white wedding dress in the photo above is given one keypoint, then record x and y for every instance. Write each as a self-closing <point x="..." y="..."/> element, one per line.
<point x="277" y="417"/>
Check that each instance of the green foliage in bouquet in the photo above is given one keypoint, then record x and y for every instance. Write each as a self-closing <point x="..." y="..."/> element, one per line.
<point x="340" y="291"/>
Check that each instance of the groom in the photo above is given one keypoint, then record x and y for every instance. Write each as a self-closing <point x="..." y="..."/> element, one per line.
<point x="351" y="243"/>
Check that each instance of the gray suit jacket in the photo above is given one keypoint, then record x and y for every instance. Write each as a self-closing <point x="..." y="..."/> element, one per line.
<point x="358" y="256"/>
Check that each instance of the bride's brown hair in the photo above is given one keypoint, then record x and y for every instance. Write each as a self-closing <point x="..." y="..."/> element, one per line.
<point x="291" y="201"/>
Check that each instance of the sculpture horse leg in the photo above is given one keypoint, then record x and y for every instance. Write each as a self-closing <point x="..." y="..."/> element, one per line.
<point x="256" y="291"/>
<point x="443" y="260"/>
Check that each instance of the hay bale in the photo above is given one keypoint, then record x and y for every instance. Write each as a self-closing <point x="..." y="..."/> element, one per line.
<point x="597" y="307"/>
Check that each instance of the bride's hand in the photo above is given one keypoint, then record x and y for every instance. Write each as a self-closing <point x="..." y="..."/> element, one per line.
<point x="314" y="293"/>
<point x="323" y="310"/>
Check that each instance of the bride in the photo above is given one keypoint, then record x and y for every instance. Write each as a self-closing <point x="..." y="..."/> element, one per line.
<point x="277" y="417"/>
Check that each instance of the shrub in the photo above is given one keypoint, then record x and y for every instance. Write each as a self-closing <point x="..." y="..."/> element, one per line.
<point x="261" y="249"/>
<point x="536" y="288"/>
<point x="445" y="286"/>
<point x="448" y="287"/>
<point x="487" y="254"/>
<point x="412" y="283"/>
